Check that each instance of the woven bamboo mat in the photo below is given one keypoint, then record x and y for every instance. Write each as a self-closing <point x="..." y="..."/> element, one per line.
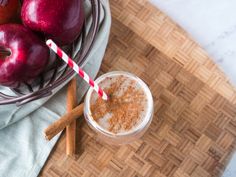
<point x="194" y="128"/>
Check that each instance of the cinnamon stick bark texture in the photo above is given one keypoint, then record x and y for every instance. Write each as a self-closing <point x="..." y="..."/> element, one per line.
<point x="71" y="128"/>
<point x="65" y="120"/>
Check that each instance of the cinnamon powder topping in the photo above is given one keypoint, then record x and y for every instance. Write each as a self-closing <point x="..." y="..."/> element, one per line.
<point x="125" y="107"/>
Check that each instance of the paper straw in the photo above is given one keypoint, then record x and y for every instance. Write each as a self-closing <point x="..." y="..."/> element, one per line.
<point x="76" y="68"/>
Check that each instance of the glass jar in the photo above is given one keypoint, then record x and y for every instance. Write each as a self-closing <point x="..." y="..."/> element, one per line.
<point x="129" y="135"/>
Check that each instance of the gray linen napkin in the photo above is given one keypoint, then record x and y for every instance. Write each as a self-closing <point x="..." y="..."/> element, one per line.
<point x="23" y="149"/>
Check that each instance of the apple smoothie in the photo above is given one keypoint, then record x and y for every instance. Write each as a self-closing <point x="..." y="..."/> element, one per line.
<point x="127" y="113"/>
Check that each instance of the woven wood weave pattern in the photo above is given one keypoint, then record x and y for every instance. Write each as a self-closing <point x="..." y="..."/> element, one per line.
<point x="193" y="132"/>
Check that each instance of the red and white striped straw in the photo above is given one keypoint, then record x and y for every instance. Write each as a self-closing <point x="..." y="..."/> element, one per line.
<point x="76" y="68"/>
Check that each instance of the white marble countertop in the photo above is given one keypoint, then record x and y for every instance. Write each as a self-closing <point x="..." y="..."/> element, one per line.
<point x="212" y="23"/>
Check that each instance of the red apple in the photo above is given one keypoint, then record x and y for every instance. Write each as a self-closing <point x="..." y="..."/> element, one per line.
<point x="23" y="55"/>
<point x="60" y="20"/>
<point x="8" y="10"/>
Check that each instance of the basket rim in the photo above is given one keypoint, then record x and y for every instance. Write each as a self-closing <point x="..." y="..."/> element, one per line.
<point x="81" y="55"/>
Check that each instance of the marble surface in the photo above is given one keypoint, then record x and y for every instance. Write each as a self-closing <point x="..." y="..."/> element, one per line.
<point x="212" y="24"/>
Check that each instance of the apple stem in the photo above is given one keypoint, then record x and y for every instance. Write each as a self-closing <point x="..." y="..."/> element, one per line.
<point x="4" y="52"/>
<point x="3" y="2"/>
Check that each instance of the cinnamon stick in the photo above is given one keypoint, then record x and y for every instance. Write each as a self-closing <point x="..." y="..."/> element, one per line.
<point x="65" y="120"/>
<point x="71" y="128"/>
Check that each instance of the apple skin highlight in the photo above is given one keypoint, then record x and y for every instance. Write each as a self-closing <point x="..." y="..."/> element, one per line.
<point x="59" y="20"/>
<point x="28" y="55"/>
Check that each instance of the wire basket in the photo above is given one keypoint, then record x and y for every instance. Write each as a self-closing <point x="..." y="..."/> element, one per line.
<point x="57" y="74"/>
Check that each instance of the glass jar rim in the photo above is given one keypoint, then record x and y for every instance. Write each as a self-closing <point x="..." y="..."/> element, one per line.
<point x="138" y="128"/>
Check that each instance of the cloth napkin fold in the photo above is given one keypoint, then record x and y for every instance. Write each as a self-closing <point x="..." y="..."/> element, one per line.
<point x="23" y="149"/>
